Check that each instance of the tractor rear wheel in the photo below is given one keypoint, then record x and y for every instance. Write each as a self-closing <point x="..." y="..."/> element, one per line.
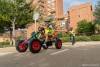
<point x="58" y="44"/>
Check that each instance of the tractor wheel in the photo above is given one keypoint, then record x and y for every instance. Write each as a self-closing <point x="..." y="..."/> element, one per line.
<point x="35" y="46"/>
<point x="21" y="46"/>
<point x="58" y="44"/>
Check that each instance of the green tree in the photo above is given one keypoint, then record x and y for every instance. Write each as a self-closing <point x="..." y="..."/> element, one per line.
<point x="17" y="11"/>
<point x="97" y="16"/>
<point x="85" y="27"/>
<point x="97" y="12"/>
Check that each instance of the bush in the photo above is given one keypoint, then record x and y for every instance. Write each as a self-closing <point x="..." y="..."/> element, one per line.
<point x="4" y="44"/>
<point x="85" y="27"/>
<point x="65" y="39"/>
<point x="77" y="38"/>
<point x="65" y="34"/>
<point x="83" y="38"/>
<point x="95" y="37"/>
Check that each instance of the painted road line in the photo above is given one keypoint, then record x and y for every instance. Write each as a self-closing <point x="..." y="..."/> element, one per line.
<point x="2" y="54"/>
<point x="59" y="52"/>
<point x="69" y="46"/>
<point x="74" y="46"/>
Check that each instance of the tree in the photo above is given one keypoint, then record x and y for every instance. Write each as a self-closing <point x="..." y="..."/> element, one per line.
<point x="17" y="10"/>
<point x="85" y="27"/>
<point x="97" y="16"/>
<point x="16" y="13"/>
<point x="97" y="12"/>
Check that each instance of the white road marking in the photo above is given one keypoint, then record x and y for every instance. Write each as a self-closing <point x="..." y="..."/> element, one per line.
<point x="59" y="52"/>
<point x="2" y="54"/>
<point x="77" y="45"/>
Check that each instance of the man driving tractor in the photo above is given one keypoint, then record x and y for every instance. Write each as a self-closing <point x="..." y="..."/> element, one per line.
<point x="49" y="31"/>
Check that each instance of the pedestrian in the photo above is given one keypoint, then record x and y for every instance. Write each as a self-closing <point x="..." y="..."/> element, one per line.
<point x="72" y="36"/>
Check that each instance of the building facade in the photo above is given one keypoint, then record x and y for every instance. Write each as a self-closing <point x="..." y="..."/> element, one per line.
<point x="50" y="8"/>
<point x="59" y="9"/>
<point x="79" y="13"/>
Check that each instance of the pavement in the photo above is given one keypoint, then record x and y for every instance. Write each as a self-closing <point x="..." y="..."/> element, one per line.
<point x="7" y="50"/>
<point x="78" y="44"/>
<point x="82" y="54"/>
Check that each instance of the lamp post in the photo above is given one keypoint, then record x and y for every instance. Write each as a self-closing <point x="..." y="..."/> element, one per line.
<point x="35" y="18"/>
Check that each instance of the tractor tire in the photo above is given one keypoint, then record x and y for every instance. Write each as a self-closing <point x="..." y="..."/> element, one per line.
<point x="58" y="44"/>
<point x="35" y="46"/>
<point x="21" y="47"/>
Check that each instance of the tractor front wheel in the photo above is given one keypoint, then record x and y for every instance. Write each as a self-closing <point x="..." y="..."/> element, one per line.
<point x="35" y="46"/>
<point x="21" y="46"/>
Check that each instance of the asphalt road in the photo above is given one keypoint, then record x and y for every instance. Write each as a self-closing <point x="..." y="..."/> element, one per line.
<point x="68" y="56"/>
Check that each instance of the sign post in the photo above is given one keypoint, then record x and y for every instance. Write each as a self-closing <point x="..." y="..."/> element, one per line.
<point x="35" y="18"/>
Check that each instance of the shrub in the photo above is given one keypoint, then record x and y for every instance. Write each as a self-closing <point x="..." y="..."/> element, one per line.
<point x="65" y="35"/>
<point x="85" y="27"/>
<point x="95" y="37"/>
<point x="4" y="44"/>
<point x="77" y="38"/>
<point x="83" y="38"/>
<point x="65" y="39"/>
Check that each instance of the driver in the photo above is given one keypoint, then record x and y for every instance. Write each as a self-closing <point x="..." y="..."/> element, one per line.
<point x="49" y="31"/>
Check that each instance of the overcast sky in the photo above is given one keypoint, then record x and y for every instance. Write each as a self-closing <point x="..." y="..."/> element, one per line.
<point x="69" y="3"/>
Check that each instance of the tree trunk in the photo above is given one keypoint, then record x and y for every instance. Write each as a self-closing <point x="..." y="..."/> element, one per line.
<point x="13" y="31"/>
<point x="10" y="36"/>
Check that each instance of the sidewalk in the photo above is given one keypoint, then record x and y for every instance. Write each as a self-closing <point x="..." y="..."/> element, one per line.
<point x="82" y="43"/>
<point x="7" y="49"/>
<point x="78" y="44"/>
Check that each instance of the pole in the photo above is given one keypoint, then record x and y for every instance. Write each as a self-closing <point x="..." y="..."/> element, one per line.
<point x="35" y="18"/>
<point x="35" y="26"/>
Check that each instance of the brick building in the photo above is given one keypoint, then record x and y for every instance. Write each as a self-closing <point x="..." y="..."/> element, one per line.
<point x="50" y="8"/>
<point x="78" y="13"/>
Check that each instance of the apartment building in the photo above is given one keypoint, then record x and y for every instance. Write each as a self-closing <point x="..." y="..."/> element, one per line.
<point x="78" y="13"/>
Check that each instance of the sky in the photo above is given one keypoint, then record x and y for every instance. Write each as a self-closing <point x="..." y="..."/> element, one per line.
<point x="69" y="3"/>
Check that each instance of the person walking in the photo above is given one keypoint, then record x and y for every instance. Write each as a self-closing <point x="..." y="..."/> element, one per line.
<point x="72" y="36"/>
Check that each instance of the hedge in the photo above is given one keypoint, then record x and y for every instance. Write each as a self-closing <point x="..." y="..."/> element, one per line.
<point x="95" y="37"/>
<point x="4" y="44"/>
<point x="82" y="38"/>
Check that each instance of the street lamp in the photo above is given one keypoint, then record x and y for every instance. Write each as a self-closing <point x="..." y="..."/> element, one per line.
<point x="28" y="1"/>
<point x="35" y="18"/>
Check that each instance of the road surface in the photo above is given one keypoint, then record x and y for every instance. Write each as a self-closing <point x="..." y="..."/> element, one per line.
<point x="69" y="56"/>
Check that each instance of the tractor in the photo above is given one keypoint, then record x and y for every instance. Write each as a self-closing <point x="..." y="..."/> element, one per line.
<point x="36" y="41"/>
